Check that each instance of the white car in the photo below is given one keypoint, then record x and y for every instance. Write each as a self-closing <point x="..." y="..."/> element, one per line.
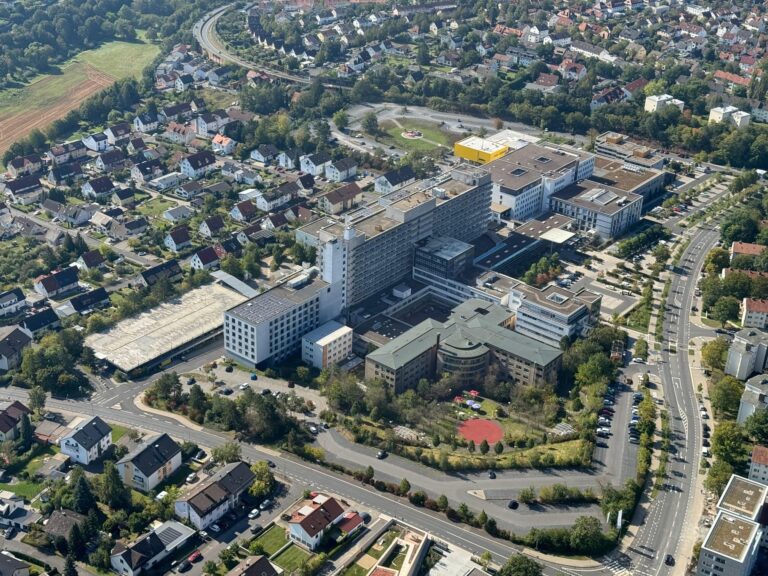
<point x="215" y="528"/>
<point x="255" y="513"/>
<point x="244" y="386"/>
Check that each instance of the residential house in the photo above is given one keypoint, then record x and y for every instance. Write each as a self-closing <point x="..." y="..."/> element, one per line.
<point x="179" y="133"/>
<point x="67" y="152"/>
<point x="88" y="442"/>
<point x="169" y="270"/>
<point x="184" y="82"/>
<point x="165" y="182"/>
<point x="84" y="303"/>
<point x="244" y="211"/>
<point x="315" y="163"/>
<point x="175" y="112"/>
<point x="12" y="566"/>
<point x="270" y="200"/>
<point x="41" y="321"/>
<point x="265" y="153"/>
<point x="98" y="188"/>
<point x="151" y="549"/>
<point x="217" y="75"/>
<point x="306" y="182"/>
<point x="341" y="170"/>
<point x="118" y="132"/>
<point x="341" y="199"/>
<point x="145" y="171"/>
<point x="189" y="190"/>
<point x="25" y="165"/>
<point x="12" y="302"/>
<point x="91" y="260"/>
<point x="127" y="229"/>
<point x="101" y="221"/>
<point x="112" y="160"/>
<point x="124" y="197"/>
<point x="61" y="522"/>
<point x="178" y="214"/>
<point x="572" y="71"/>
<point x="204" y="259"/>
<point x="208" y="502"/>
<point x="211" y="122"/>
<point x="25" y="190"/>
<point x="394" y="180"/>
<point x="137" y="146"/>
<point x="148" y="465"/>
<point x="57" y="283"/>
<point x="197" y="165"/>
<point x="730" y="80"/>
<point x="290" y="160"/>
<point x="11" y="414"/>
<point x="177" y="239"/>
<point x="13" y="340"/>
<point x="223" y="145"/>
<point x="64" y="174"/>
<point x="14" y="512"/>
<point x="607" y="96"/>
<point x="77" y="214"/>
<point x="97" y="142"/>
<point x="145" y="122"/>
<point x="255" y="566"/>
<point x="312" y="519"/>
<point x="274" y="222"/>
<point x="227" y="247"/>
<point x="211" y="226"/>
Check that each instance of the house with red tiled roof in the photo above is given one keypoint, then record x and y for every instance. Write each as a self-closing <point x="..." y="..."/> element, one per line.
<point x="313" y="518"/>
<point x="754" y="313"/>
<point x="730" y="79"/>
<point x="745" y="249"/>
<point x="758" y="467"/>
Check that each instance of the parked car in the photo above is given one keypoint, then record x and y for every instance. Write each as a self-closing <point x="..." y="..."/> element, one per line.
<point x="196" y="556"/>
<point x="513" y="504"/>
<point x="215" y="528"/>
<point x="366" y="517"/>
<point x="254" y="376"/>
<point x="255" y="513"/>
<point x="255" y="529"/>
<point x="244" y="386"/>
<point x="669" y="560"/>
<point x="183" y="566"/>
<point x="266" y="392"/>
<point x="191" y="477"/>
<point x="265" y="505"/>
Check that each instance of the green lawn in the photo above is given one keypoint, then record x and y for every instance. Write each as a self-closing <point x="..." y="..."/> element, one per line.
<point x="156" y="206"/>
<point x="432" y="135"/>
<point x="26" y="490"/>
<point x="121" y="59"/>
<point x="291" y="558"/>
<point x="355" y="570"/>
<point x="118" y="432"/>
<point x="375" y="551"/>
<point x="272" y="540"/>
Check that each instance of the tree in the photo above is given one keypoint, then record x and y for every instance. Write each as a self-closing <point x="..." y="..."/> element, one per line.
<point x="167" y="387"/>
<point x="484" y="447"/>
<point x="498" y="447"/>
<point x="714" y="353"/>
<point x="76" y="542"/>
<point x="25" y="433"/>
<point x="341" y="119"/>
<point x="726" y="309"/>
<point x="471" y="446"/>
<point x="229" y="452"/>
<point x="725" y="395"/>
<point x="265" y="481"/>
<point x="757" y="426"/>
<point x="69" y="566"/>
<point x="37" y="399"/>
<point x="519" y="565"/>
<point x="114" y="493"/>
<point x="232" y="265"/>
<point x="405" y="486"/>
<point x="210" y="567"/>
<point x="82" y="500"/>
<point x="442" y="502"/>
<point x="729" y="443"/>
<point x="527" y="495"/>
<point x="422" y="54"/>
<point x="641" y="348"/>
<point x="368" y="474"/>
<point x="587" y="535"/>
<point x="718" y="476"/>
<point x="370" y="124"/>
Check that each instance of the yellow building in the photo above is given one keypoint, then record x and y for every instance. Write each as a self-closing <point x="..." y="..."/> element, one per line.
<point x="479" y="150"/>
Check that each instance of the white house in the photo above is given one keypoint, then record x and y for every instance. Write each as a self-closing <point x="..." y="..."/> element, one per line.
<point x="150" y="549"/>
<point x="97" y="142"/>
<point x="177" y="239"/>
<point x="210" y="227"/>
<point x="264" y="153"/>
<point x="315" y="163"/>
<point x="118" y="131"/>
<point x="272" y="199"/>
<point x="88" y="442"/>
<point x="145" y="123"/>
<point x="12" y="301"/>
<point x="11" y="412"/>
<point x="207" y="502"/>
<point x="178" y="214"/>
<point x="98" y="188"/>
<point x="394" y="180"/>
<point x="148" y="465"/>
<point x="244" y="211"/>
<point x="204" y="259"/>
<point x="197" y="165"/>
<point x="223" y="145"/>
<point x="312" y="519"/>
<point x="289" y="160"/>
<point x="341" y="170"/>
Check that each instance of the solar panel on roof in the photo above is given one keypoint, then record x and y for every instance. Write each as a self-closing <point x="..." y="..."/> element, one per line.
<point x="168" y="535"/>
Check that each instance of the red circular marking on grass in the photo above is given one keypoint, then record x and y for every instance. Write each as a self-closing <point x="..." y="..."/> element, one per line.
<point x="478" y="430"/>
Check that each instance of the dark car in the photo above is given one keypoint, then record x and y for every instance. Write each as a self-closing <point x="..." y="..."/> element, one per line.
<point x="225" y="391"/>
<point x="255" y="529"/>
<point x="491" y="474"/>
<point x="183" y="566"/>
<point x="513" y="504"/>
<point x="381" y="454"/>
<point x="669" y="560"/>
<point x="271" y="464"/>
<point x="266" y="392"/>
<point x="229" y="368"/>
<point x="366" y="517"/>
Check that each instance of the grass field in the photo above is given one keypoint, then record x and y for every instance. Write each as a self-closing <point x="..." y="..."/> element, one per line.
<point x="433" y="136"/>
<point x="51" y="96"/>
<point x="156" y="206"/>
<point x="272" y="540"/>
<point x="291" y="558"/>
<point x="26" y="490"/>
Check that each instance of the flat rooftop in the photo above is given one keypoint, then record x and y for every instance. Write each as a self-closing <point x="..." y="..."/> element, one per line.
<point x="522" y="167"/>
<point x="615" y="173"/>
<point x="596" y="197"/>
<point x="273" y="303"/>
<point x="482" y="144"/>
<point x="512" y="245"/>
<point x="743" y="497"/>
<point x="538" y="227"/>
<point x="137" y="341"/>
<point x="621" y="145"/>
<point x="731" y="536"/>
<point x="444" y="247"/>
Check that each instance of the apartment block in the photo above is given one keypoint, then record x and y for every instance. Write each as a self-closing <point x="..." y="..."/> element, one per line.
<point x="754" y="313"/>
<point x="758" y="465"/>
<point x="753" y="398"/>
<point x="327" y="345"/>
<point x="620" y="147"/>
<point x="657" y="103"/>
<point x="729" y="115"/>
<point x="747" y="354"/>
